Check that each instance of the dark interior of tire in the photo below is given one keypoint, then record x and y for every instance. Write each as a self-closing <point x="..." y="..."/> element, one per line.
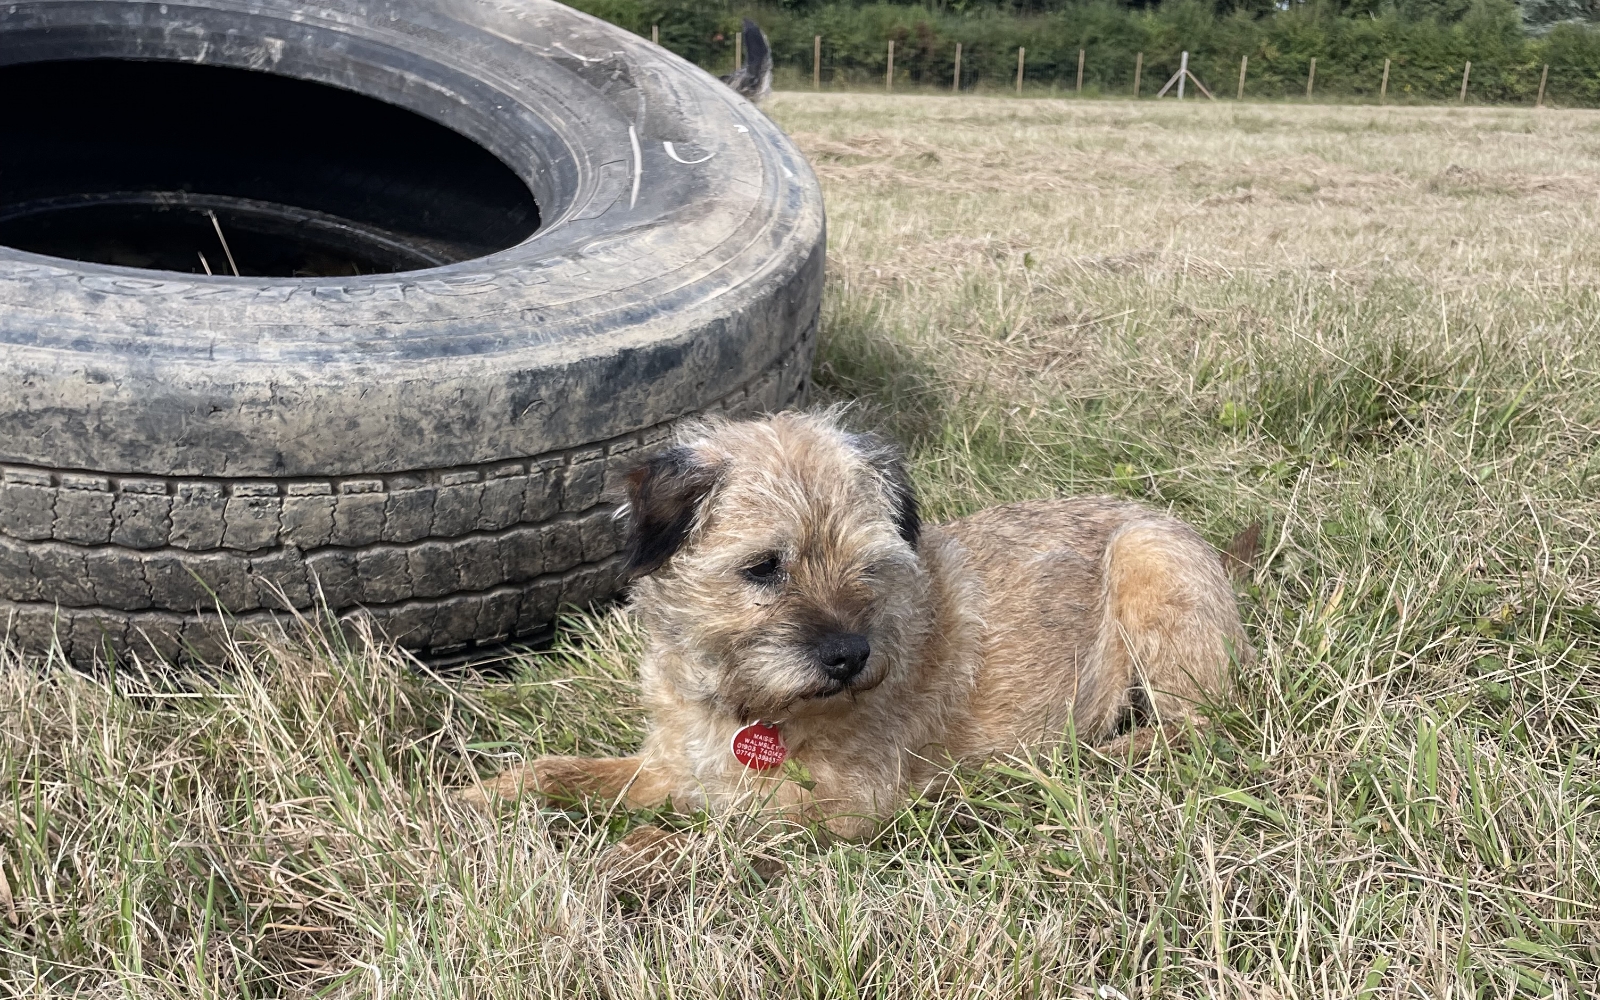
<point x="203" y="169"/>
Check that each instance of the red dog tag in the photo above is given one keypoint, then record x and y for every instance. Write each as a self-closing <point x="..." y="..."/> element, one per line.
<point x="759" y="746"/>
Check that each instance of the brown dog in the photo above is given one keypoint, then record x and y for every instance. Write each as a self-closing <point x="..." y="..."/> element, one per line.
<point x="813" y="647"/>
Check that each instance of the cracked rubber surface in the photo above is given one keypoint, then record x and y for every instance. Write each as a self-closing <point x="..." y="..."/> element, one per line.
<point x="433" y="449"/>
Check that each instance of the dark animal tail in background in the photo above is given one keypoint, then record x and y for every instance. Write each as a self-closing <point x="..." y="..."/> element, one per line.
<point x="753" y="80"/>
<point x="1240" y="555"/>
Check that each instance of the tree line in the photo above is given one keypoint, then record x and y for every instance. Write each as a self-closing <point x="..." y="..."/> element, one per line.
<point x="1426" y="41"/>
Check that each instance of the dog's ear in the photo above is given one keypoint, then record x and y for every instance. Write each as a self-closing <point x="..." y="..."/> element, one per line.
<point x="904" y="492"/>
<point x="885" y="456"/>
<point x="664" y="494"/>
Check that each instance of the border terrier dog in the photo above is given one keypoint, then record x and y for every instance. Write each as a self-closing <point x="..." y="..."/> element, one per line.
<point x="814" y="648"/>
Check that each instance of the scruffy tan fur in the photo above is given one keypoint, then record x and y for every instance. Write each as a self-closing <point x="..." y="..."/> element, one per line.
<point x="987" y="634"/>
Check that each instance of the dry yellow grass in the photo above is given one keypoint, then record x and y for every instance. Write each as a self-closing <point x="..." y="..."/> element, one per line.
<point x="1377" y="331"/>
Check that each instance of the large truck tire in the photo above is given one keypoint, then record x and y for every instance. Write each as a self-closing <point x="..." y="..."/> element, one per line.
<point x="535" y="240"/>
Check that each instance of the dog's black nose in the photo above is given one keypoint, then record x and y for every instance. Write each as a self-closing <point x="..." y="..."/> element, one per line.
<point x="843" y="654"/>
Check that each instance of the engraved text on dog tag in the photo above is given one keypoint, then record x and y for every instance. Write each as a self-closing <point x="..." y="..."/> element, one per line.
<point x="759" y="746"/>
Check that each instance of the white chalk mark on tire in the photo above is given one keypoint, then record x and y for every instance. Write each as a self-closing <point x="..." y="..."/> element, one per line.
<point x="673" y="152"/>
<point x="582" y="59"/>
<point x="638" y="167"/>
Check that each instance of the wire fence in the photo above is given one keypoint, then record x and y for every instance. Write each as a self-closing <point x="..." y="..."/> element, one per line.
<point x="925" y="61"/>
<point x="961" y="68"/>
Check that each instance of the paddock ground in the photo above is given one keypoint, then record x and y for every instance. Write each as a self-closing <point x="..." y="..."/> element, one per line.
<point x="1374" y="331"/>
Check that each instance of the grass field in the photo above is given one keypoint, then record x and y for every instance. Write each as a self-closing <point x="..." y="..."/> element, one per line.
<point x="1375" y="331"/>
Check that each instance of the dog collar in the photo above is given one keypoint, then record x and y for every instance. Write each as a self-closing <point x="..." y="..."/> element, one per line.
<point x="759" y="746"/>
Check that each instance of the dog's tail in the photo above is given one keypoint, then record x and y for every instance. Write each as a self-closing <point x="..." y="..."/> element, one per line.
<point x="753" y="80"/>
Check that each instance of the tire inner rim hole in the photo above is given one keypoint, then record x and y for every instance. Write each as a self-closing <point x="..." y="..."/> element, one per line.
<point x="193" y="168"/>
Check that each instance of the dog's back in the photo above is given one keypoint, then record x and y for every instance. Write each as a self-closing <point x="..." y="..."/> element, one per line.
<point x="1092" y="606"/>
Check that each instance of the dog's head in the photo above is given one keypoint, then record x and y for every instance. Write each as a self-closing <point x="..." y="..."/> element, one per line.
<point x="777" y="560"/>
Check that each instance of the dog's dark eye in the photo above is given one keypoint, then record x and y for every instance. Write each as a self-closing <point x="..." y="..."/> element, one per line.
<point x="765" y="571"/>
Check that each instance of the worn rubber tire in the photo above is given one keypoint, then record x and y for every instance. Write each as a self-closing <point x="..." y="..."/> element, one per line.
<point x="432" y="448"/>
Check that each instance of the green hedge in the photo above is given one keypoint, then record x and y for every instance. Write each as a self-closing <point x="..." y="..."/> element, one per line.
<point x="1427" y="55"/>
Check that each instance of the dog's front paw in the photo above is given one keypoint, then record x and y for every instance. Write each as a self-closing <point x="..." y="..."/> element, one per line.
<point x="546" y="777"/>
<point x="646" y="858"/>
<point x="1141" y="743"/>
<point x="651" y="861"/>
<point x="569" y="779"/>
<point x="507" y="786"/>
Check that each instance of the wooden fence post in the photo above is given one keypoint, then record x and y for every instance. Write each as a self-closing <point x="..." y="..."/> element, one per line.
<point x="655" y="33"/>
<point x="1464" y="74"/>
<point x="1080" y="71"/>
<point x="1383" y="88"/>
<point x="888" y="75"/>
<point x="1244" y="61"/>
<point x="1542" y="78"/>
<point x="816" y="62"/>
<point x="1183" y="71"/>
<point x="1138" y="67"/>
<point x="1021" y="54"/>
<point x="1311" y="77"/>
<point x="738" y="53"/>
<point x="955" y="79"/>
